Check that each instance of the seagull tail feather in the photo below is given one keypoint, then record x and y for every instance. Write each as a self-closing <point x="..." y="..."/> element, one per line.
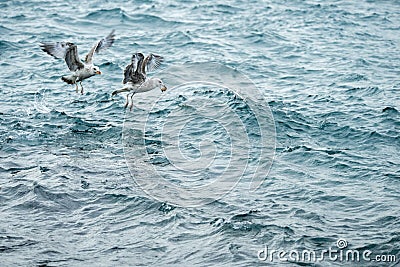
<point x="119" y="91"/>
<point x="69" y="79"/>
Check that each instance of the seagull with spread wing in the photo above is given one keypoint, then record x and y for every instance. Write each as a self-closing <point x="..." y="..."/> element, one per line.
<point x="135" y="77"/>
<point x="69" y="52"/>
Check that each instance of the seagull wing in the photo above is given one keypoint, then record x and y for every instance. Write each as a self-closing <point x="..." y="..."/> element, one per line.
<point x="132" y="76"/>
<point x="65" y="50"/>
<point x="57" y="50"/>
<point x="128" y="72"/>
<point x="100" y="45"/>
<point x="151" y="62"/>
<point x="72" y="58"/>
<point x="137" y="58"/>
<point x="131" y="72"/>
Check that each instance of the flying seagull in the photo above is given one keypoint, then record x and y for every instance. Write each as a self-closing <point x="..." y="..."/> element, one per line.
<point x="69" y="52"/>
<point x="135" y="77"/>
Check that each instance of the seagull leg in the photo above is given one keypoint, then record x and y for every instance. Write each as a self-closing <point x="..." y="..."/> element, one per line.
<point x="81" y="87"/>
<point x="130" y="109"/>
<point x="127" y="101"/>
<point x="76" y="87"/>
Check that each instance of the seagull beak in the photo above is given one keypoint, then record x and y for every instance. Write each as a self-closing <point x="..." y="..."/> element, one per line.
<point x="98" y="72"/>
<point x="163" y="88"/>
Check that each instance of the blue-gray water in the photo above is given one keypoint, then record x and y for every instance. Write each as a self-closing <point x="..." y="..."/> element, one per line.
<point x="329" y="71"/>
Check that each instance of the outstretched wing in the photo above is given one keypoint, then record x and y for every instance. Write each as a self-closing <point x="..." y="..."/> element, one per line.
<point x="100" y="45"/>
<point x="151" y="62"/>
<point x="65" y="50"/>
<point x="72" y="58"/>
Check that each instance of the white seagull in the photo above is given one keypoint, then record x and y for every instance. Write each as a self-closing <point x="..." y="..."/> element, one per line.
<point x="69" y="52"/>
<point x="135" y="77"/>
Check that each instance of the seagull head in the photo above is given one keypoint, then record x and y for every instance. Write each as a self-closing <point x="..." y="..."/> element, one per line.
<point x="161" y="85"/>
<point x="95" y="70"/>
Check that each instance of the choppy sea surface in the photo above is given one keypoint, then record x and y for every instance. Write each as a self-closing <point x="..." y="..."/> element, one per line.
<point x="329" y="71"/>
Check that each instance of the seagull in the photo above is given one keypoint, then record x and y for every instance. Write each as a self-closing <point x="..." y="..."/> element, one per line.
<point x="69" y="52"/>
<point x="135" y="77"/>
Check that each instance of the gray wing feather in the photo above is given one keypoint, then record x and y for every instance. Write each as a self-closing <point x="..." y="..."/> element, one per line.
<point x="57" y="50"/>
<point x="128" y="72"/>
<point x="132" y="71"/>
<point x="100" y="45"/>
<point x="72" y="58"/>
<point x="65" y="50"/>
<point x="151" y="62"/>
<point x="132" y="76"/>
<point x="136" y="58"/>
<point x="106" y="42"/>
